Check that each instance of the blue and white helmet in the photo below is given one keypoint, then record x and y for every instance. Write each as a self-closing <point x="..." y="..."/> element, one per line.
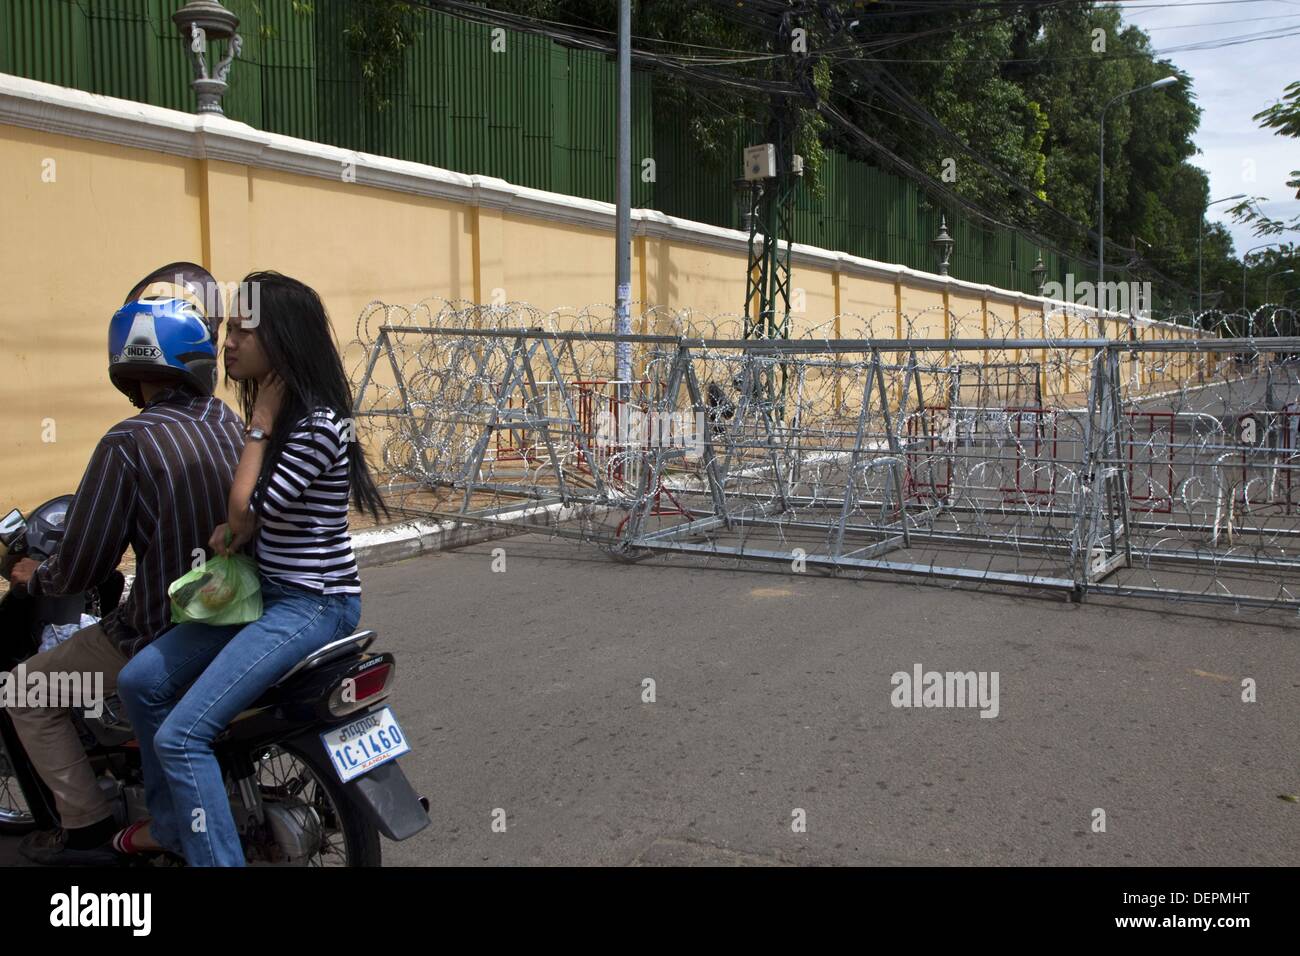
<point x="167" y="330"/>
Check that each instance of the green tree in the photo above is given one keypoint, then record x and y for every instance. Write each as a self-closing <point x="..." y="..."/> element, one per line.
<point x="378" y="33"/>
<point x="1283" y="117"/>
<point x="1154" y="196"/>
<point x="1007" y="94"/>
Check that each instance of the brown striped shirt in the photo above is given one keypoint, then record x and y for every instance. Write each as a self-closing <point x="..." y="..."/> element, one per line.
<point x="158" y="482"/>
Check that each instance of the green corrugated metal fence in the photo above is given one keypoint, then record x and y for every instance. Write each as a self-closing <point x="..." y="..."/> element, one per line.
<point x="536" y="114"/>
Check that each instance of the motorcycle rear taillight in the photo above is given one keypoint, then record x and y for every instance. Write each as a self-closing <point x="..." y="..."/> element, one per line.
<point x="358" y="691"/>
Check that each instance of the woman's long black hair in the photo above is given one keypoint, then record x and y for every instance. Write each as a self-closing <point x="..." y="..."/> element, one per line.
<point x="295" y="334"/>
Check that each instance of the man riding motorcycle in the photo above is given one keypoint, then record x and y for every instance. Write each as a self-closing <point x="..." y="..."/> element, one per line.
<point x="158" y="482"/>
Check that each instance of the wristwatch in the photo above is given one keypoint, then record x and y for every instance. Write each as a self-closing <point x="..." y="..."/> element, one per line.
<point x="255" y="434"/>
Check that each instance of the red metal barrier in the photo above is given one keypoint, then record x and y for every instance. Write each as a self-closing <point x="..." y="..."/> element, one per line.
<point x="1155" y="463"/>
<point x="1282" y="487"/>
<point x="1032" y="429"/>
<point x="1031" y="450"/>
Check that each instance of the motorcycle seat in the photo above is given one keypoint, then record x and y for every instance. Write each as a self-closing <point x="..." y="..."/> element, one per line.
<point x="114" y="728"/>
<point x="352" y="644"/>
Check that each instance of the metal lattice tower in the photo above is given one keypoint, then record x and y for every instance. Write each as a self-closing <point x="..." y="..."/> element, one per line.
<point x="771" y="225"/>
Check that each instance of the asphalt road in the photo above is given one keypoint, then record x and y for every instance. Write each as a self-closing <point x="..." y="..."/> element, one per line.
<point x="523" y="691"/>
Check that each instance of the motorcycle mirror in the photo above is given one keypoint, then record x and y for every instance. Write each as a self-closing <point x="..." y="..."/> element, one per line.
<point x="11" y="526"/>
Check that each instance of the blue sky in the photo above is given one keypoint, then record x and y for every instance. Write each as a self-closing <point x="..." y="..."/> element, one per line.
<point x="1231" y="84"/>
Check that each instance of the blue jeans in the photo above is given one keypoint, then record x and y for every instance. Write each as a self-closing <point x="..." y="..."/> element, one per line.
<point x="230" y="666"/>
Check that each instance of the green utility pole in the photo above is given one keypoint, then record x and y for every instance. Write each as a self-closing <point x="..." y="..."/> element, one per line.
<point x="773" y="172"/>
<point x="767" y="286"/>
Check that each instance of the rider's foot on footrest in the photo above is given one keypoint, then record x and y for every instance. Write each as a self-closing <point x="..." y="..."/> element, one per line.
<point x="50" y="848"/>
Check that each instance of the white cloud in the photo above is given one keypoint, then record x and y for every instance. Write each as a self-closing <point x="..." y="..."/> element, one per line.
<point x="1231" y="84"/>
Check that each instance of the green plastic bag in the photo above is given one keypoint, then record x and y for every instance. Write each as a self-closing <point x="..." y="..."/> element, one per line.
<point x="222" y="591"/>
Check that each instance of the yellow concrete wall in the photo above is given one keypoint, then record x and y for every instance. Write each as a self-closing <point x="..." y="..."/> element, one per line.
<point x="71" y="247"/>
<point x="682" y="275"/>
<point x="549" y="265"/>
<point x="351" y="243"/>
<point x="868" y="308"/>
<point x="70" y="250"/>
<point x="812" y="304"/>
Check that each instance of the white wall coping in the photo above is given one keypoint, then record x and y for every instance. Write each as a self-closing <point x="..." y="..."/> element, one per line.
<point x="69" y="112"/>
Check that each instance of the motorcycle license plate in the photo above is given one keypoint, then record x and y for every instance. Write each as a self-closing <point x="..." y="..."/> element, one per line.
<point x="364" y="744"/>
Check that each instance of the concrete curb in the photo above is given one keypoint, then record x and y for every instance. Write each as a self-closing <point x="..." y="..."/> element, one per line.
<point x="397" y="542"/>
<point x="407" y="540"/>
<point x="391" y="543"/>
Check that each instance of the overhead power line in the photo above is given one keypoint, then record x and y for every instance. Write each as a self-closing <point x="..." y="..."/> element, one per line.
<point x="710" y="71"/>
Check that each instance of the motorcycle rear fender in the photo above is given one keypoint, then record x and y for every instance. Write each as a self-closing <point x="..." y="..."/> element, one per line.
<point x="384" y="794"/>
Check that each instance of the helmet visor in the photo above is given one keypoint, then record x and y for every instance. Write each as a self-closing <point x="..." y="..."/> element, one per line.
<point x="183" y="280"/>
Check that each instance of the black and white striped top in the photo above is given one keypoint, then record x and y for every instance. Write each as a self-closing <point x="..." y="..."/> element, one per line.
<point x="303" y="538"/>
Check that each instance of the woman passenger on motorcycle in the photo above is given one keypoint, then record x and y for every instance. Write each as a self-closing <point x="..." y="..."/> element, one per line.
<point x="290" y="494"/>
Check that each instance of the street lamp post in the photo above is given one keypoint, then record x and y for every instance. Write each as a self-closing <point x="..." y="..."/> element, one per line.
<point x="1268" y="279"/>
<point x="943" y="244"/>
<point x="1101" y="181"/>
<point x="1200" y="235"/>
<point x="1243" y="268"/>
<point x="623" y="203"/>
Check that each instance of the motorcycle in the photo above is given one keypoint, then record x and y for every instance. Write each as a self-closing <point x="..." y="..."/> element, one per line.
<point x="310" y="767"/>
